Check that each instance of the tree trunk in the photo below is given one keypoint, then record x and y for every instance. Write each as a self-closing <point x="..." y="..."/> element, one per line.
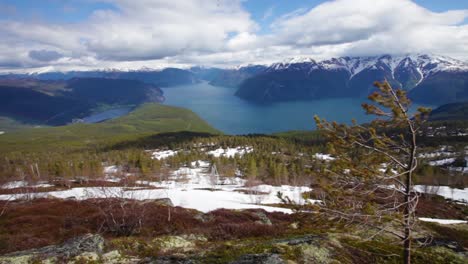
<point x="409" y="209"/>
<point x="407" y="243"/>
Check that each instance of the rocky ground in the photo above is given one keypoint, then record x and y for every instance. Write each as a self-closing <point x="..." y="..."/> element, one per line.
<point x="153" y="231"/>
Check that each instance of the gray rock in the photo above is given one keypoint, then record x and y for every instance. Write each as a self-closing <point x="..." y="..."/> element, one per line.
<point x="309" y="239"/>
<point x="259" y="259"/>
<point x="263" y="218"/>
<point x="73" y="247"/>
<point x="204" y="218"/>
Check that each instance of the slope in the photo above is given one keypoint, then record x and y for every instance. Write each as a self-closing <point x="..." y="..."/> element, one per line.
<point x="146" y="120"/>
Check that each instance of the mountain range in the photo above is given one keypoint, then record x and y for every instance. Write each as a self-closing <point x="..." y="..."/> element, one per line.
<point x="162" y="78"/>
<point x="428" y="79"/>
<point x="58" y="97"/>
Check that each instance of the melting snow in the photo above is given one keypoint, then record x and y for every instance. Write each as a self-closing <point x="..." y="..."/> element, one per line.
<point x="322" y="156"/>
<point x="442" y="221"/>
<point x="445" y="191"/>
<point x="195" y="188"/>
<point x="441" y="162"/>
<point x="230" y="152"/>
<point x="159" y="155"/>
<point x="111" y="169"/>
<point x="21" y="184"/>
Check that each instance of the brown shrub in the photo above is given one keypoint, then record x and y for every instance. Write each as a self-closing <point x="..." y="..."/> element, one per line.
<point x="41" y="222"/>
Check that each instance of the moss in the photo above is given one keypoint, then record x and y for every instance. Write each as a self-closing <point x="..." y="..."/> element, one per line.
<point x="385" y="251"/>
<point x="232" y="250"/>
<point x="437" y="255"/>
<point x="455" y="233"/>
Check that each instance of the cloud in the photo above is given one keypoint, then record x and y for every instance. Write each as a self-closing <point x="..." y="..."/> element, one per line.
<point x="222" y="33"/>
<point x="45" y="55"/>
<point x="138" y="30"/>
<point x="268" y="13"/>
<point x="374" y="27"/>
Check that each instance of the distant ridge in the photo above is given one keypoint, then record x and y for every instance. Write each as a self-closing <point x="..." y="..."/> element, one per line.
<point x="306" y="79"/>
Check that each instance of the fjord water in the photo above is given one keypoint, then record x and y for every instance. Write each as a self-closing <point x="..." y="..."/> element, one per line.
<point x="232" y="115"/>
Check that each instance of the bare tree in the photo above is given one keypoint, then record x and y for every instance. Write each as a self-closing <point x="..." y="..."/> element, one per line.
<point x="371" y="180"/>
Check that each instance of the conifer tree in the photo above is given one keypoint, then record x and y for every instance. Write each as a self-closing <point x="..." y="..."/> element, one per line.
<point x="371" y="179"/>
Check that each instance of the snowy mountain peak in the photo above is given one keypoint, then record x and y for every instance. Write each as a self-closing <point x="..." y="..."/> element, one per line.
<point x="292" y="63"/>
<point x="424" y="64"/>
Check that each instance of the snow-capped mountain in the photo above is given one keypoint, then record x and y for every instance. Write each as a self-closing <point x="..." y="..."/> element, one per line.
<point x="424" y="64"/>
<point x="305" y="78"/>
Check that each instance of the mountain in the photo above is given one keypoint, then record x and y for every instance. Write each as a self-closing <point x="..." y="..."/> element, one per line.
<point x="307" y="79"/>
<point x="146" y="120"/>
<point x="58" y="102"/>
<point x="454" y="111"/>
<point x="234" y="77"/>
<point x="162" y="78"/>
<point x="206" y="73"/>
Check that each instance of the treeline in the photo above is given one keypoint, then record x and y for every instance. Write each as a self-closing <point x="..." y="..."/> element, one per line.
<point x="274" y="159"/>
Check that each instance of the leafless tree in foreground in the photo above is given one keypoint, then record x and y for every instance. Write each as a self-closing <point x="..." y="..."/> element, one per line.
<point x="371" y="179"/>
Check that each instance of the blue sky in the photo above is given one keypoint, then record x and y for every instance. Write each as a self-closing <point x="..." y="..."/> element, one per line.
<point x="138" y="33"/>
<point x="262" y="11"/>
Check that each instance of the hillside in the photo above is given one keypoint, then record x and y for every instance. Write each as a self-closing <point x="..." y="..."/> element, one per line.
<point x="443" y="87"/>
<point x="454" y="111"/>
<point x="59" y="102"/>
<point x="234" y="77"/>
<point x="146" y="120"/>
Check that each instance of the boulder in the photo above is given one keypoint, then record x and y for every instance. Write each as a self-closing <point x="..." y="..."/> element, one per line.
<point x="263" y="218"/>
<point x="78" y="246"/>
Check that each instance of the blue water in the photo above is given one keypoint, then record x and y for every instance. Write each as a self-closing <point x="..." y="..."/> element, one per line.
<point x="232" y="115"/>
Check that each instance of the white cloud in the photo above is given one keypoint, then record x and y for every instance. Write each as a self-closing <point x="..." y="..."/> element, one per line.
<point x="157" y="33"/>
<point x="375" y="27"/>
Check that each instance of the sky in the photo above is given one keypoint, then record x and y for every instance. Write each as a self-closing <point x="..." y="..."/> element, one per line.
<point x="133" y="34"/>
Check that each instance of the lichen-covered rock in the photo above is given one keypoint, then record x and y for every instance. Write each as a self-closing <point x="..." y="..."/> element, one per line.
<point x="300" y="240"/>
<point x="87" y="257"/>
<point x="259" y="259"/>
<point x="174" y="243"/>
<point x="114" y="257"/>
<point x="294" y="225"/>
<point x="314" y="254"/>
<point x="71" y="248"/>
<point x="263" y="218"/>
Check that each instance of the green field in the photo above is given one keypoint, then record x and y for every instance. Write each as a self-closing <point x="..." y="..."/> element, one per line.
<point x="146" y="120"/>
<point x="8" y="124"/>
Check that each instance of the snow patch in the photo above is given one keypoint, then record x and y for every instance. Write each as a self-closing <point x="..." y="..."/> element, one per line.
<point x="159" y="155"/>
<point x="441" y="162"/>
<point x="444" y="191"/>
<point x="193" y="187"/>
<point x="111" y="169"/>
<point x="23" y="184"/>
<point x="230" y="152"/>
<point x="322" y="156"/>
<point x="442" y="221"/>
